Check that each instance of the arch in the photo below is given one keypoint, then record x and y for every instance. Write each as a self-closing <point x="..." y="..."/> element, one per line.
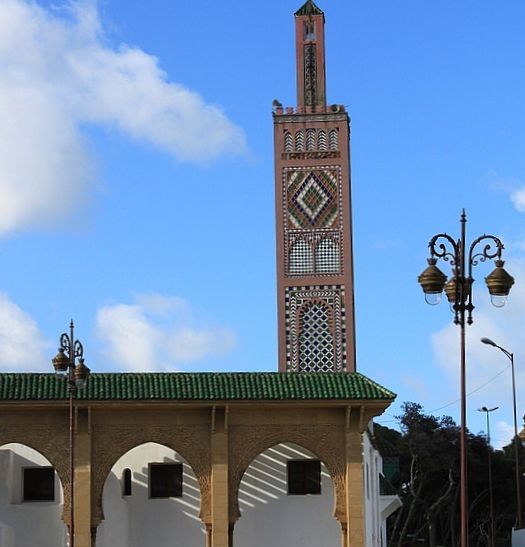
<point x="321" y="140"/>
<point x="112" y="442"/>
<point x="272" y="515"/>
<point x="48" y="441"/>
<point x="333" y="139"/>
<point x="310" y="139"/>
<point x="327" y="256"/>
<point x="299" y="141"/>
<point x="288" y="142"/>
<point x="131" y="520"/>
<point x="316" y="340"/>
<point x="326" y="442"/>
<point x="38" y="523"/>
<point x="300" y="257"/>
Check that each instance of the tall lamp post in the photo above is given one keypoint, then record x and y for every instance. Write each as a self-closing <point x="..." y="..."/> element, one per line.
<point x="519" y="518"/>
<point x="459" y="294"/>
<point x="69" y="363"/>
<point x="491" y="498"/>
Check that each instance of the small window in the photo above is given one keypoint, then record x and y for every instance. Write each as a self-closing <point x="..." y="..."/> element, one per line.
<point x="126" y="482"/>
<point x="39" y="484"/>
<point x="165" y="480"/>
<point x="304" y="477"/>
<point x="309" y="30"/>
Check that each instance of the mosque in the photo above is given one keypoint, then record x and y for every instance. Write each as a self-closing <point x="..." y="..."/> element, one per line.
<point x="285" y="458"/>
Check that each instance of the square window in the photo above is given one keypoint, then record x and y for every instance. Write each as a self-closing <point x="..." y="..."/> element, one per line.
<point x="39" y="484"/>
<point x="165" y="480"/>
<point x="304" y="477"/>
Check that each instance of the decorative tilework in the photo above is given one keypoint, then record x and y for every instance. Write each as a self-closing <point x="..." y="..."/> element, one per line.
<point x="316" y="343"/>
<point x="299" y="141"/>
<point x="288" y="142"/>
<point x="310" y="139"/>
<point x="321" y="140"/>
<point x="300" y="341"/>
<point x="333" y="138"/>
<point x="313" y="251"/>
<point x="312" y="198"/>
<point x="301" y="257"/>
<point x="327" y="256"/>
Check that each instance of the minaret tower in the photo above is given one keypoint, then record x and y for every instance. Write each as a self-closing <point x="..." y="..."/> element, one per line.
<point x="314" y="223"/>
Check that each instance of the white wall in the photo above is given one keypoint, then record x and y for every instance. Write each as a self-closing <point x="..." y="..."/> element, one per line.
<point x="373" y="465"/>
<point x="137" y="520"/>
<point x="272" y="517"/>
<point x="24" y="524"/>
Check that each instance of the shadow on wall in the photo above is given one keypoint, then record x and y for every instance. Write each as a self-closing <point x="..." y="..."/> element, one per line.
<point x="24" y="523"/>
<point x="140" y="519"/>
<point x="272" y="516"/>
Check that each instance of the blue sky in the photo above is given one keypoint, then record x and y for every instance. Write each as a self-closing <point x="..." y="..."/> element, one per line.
<point x="136" y="183"/>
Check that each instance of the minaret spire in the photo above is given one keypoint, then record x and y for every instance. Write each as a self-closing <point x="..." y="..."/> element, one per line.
<point x="314" y="216"/>
<point x="310" y="51"/>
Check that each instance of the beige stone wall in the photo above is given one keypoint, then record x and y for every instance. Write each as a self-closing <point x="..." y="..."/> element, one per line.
<point x="218" y="441"/>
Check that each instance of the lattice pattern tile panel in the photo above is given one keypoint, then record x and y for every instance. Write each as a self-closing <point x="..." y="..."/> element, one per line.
<point x="316" y="343"/>
<point x="301" y="258"/>
<point x="313" y="252"/>
<point x="327" y="256"/>
<point x="315" y="319"/>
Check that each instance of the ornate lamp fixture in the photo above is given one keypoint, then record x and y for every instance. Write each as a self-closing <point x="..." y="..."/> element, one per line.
<point x="76" y="373"/>
<point x="459" y="294"/>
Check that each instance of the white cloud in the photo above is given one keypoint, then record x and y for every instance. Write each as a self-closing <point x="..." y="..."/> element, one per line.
<point x="157" y="333"/>
<point x="518" y="199"/>
<point x="22" y="346"/>
<point x="502" y="435"/>
<point x="58" y="73"/>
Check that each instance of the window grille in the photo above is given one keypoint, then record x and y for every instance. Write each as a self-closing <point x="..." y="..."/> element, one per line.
<point x="165" y="480"/>
<point x="304" y="477"/>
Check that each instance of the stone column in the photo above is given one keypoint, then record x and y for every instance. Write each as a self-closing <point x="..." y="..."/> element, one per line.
<point x="219" y="478"/>
<point x="344" y="534"/>
<point x="82" y="479"/>
<point x="355" y="499"/>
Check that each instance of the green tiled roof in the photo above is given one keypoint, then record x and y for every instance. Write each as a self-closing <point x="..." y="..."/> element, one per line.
<point x="309" y="8"/>
<point x="179" y="386"/>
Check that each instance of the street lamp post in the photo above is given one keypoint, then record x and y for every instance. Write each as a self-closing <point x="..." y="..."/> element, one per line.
<point x="519" y="518"/>
<point x="459" y="294"/>
<point x="76" y="374"/>
<point x="491" y="498"/>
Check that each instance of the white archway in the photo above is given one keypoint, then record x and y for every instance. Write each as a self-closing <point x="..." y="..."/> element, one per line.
<point x="270" y="515"/>
<point x="23" y="520"/>
<point x="137" y="518"/>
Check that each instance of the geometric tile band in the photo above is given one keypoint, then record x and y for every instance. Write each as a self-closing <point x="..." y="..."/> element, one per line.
<point x="315" y="319"/>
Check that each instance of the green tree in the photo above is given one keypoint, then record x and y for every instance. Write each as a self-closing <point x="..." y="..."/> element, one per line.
<point x="427" y="448"/>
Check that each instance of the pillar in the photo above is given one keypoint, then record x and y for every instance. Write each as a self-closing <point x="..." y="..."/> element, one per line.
<point x="355" y="499"/>
<point x="219" y="479"/>
<point x="82" y="479"/>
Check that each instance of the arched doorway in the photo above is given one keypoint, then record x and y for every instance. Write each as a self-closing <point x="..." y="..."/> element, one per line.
<point x="151" y="497"/>
<point x="31" y="499"/>
<point x="286" y="497"/>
